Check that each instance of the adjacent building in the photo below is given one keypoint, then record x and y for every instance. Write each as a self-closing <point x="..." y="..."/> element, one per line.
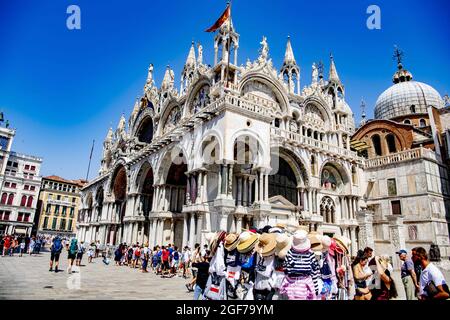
<point x="19" y="187"/>
<point x="59" y="201"/>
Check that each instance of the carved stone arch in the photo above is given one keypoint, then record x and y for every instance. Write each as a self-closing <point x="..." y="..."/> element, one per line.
<point x="99" y="195"/>
<point x="256" y="145"/>
<point x="192" y="93"/>
<point x="340" y="173"/>
<point x="297" y="164"/>
<point x="121" y="168"/>
<point x="320" y="105"/>
<point x="141" y="172"/>
<point x="142" y="115"/>
<point x="174" y="155"/>
<point x="274" y="84"/>
<point x="211" y="148"/>
<point x="173" y="112"/>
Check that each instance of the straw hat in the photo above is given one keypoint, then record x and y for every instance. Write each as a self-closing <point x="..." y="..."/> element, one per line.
<point x="280" y="225"/>
<point x="342" y="243"/>
<point x="247" y="241"/>
<point x="283" y="245"/>
<point x="300" y="241"/>
<point x="266" y="244"/>
<point x="218" y="238"/>
<point x="316" y="241"/>
<point x="231" y="241"/>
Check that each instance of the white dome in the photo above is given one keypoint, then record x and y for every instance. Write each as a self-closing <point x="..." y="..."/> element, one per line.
<point x="407" y="98"/>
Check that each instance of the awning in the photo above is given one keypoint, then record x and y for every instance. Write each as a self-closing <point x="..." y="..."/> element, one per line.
<point x="358" y="145"/>
<point x="20" y="230"/>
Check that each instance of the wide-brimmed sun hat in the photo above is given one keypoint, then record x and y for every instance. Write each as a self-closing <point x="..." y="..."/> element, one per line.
<point x="218" y="238"/>
<point x="316" y="241"/>
<point x="342" y="243"/>
<point x="283" y="245"/>
<point x="326" y="242"/>
<point x="247" y="241"/>
<point x="266" y="244"/>
<point x="300" y="241"/>
<point x="231" y="241"/>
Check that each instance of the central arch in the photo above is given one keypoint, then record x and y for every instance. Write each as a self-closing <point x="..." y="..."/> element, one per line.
<point x="283" y="182"/>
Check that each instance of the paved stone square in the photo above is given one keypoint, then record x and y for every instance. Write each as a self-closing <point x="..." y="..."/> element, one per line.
<point x="28" y="278"/>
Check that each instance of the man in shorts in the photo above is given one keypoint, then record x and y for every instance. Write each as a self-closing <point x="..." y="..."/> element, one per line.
<point x="55" y="249"/>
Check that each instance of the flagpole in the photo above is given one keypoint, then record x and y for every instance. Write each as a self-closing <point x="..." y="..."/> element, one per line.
<point x="90" y="158"/>
<point x="229" y="46"/>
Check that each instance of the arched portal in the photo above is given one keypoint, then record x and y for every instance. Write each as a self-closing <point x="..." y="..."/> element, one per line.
<point x="145" y="131"/>
<point x="119" y="190"/>
<point x="283" y="182"/>
<point x="145" y="182"/>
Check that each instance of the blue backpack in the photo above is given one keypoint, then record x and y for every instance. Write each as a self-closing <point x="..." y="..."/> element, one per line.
<point x="57" y="245"/>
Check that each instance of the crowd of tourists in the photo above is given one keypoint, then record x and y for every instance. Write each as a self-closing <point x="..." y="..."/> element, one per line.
<point x="290" y="263"/>
<point x="19" y="244"/>
<point x="75" y="252"/>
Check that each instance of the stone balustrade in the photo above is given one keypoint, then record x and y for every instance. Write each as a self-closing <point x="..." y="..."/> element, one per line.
<point x="401" y="156"/>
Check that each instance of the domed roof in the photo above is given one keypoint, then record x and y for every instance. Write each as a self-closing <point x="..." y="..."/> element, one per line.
<point x="406" y="97"/>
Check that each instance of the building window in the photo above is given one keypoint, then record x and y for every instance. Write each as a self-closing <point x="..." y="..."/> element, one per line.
<point x="20" y="217"/>
<point x="69" y="227"/>
<point x="73" y="200"/>
<point x="10" y="199"/>
<point x="396" y="207"/>
<point x="23" y="201"/>
<point x="4" y="215"/>
<point x="7" y="184"/>
<point x="376" y="141"/>
<point x="26" y="217"/>
<point x="54" y="224"/>
<point x="26" y="187"/>
<point x="58" y="197"/>
<point x="27" y="167"/>
<point x="390" y="140"/>
<point x="422" y="123"/>
<point x="392" y="187"/>
<point x="62" y="224"/>
<point x="56" y="209"/>
<point x="33" y="168"/>
<point x="71" y="211"/>
<point x="13" y="185"/>
<point x="49" y="208"/>
<point x="407" y="121"/>
<point x="45" y="225"/>
<point x="64" y="210"/>
<point x="32" y="188"/>
<point x="413" y="109"/>
<point x="30" y="202"/>
<point x="4" y="198"/>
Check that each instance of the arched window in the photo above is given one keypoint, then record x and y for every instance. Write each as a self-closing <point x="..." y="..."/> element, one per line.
<point x="4" y="198"/>
<point x="23" y="201"/>
<point x="277" y="123"/>
<point x="313" y="165"/>
<point x="390" y="140"/>
<point x="30" y="201"/>
<point x="10" y="199"/>
<point x="376" y="141"/>
<point x="413" y="109"/>
<point x="422" y="123"/>
<point x="354" y="175"/>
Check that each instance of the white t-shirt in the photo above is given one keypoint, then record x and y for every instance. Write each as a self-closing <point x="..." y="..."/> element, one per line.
<point x="431" y="272"/>
<point x="186" y="256"/>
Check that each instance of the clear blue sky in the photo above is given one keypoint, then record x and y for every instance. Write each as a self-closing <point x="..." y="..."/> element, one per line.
<point x="61" y="89"/>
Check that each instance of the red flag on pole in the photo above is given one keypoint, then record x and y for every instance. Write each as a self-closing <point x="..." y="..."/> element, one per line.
<point x="224" y="17"/>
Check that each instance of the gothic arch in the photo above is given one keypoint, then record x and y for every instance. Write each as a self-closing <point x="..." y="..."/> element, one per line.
<point x="175" y="155"/>
<point x="118" y="186"/>
<point x="276" y="87"/>
<point x="297" y="164"/>
<point x="338" y="172"/>
<point x="320" y="105"/>
<point x="194" y="89"/>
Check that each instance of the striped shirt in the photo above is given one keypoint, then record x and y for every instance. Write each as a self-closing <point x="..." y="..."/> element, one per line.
<point x="302" y="264"/>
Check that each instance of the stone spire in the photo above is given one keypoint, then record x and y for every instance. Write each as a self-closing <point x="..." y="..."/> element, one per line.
<point x="190" y="61"/>
<point x="109" y="136"/>
<point x="168" y="79"/>
<point x="290" y="70"/>
<point x="333" y="76"/>
<point x="289" y="58"/>
<point x="121" y="125"/>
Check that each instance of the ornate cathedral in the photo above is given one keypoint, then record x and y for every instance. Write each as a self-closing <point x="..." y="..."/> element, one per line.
<point x="238" y="146"/>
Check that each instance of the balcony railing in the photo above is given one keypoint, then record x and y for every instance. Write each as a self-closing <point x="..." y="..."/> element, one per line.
<point x="308" y="141"/>
<point x="401" y="156"/>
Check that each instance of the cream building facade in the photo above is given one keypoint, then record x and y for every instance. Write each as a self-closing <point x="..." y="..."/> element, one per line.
<point x="234" y="147"/>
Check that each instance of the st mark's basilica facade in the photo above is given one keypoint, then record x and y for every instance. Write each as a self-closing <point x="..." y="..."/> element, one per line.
<point x="235" y="147"/>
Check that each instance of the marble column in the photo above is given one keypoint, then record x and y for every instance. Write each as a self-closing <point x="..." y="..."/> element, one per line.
<point x="238" y="223"/>
<point x="266" y="188"/>
<point x="192" y="231"/>
<point x="257" y="187"/>
<point x="185" y="229"/>
<point x="200" y="218"/>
